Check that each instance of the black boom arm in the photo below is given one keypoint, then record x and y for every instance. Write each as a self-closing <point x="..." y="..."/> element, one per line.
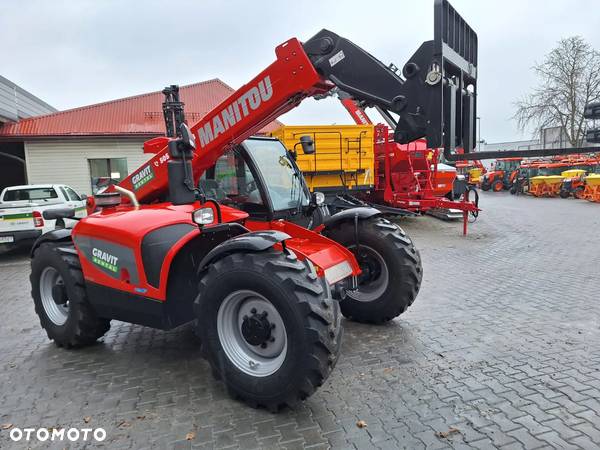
<point x="435" y="95"/>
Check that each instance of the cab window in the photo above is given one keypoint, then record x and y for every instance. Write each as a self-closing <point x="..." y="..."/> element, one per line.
<point x="282" y="180"/>
<point x="231" y="182"/>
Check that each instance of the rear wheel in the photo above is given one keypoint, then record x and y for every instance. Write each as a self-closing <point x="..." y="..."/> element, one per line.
<point x="58" y="291"/>
<point x="391" y="270"/>
<point x="564" y="193"/>
<point x="579" y="192"/>
<point x="485" y="186"/>
<point x="268" y="326"/>
<point x="497" y="185"/>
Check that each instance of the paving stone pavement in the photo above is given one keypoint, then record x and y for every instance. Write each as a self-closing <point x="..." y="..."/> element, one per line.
<point x="501" y="349"/>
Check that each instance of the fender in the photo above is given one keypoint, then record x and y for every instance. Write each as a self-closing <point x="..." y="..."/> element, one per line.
<point x="363" y="213"/>
<point x="256" y="241"/>
<point x="58" y="235"/>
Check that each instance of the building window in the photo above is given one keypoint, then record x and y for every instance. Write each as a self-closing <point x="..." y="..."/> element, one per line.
<point x="107" y="171"/>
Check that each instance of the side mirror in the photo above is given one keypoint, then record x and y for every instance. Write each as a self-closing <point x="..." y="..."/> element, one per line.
<point x="83" y="197"/>
<point x="308" y="145"/>
<point x="317" y="198"/>
<point x="293" y="154"/>
<point x="187" y="137"/>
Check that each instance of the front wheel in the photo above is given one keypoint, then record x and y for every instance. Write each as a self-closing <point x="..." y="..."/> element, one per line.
<point x="268" y="327"/>
<point x="564" y="193"/>
<point x="391" y="270"/>
<point x="497" y="185"/>
<point x="59" y="295"/>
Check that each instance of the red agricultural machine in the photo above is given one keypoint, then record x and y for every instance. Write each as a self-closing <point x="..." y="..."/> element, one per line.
<point x="409" y="176"/>
<point x="219" y="228"/>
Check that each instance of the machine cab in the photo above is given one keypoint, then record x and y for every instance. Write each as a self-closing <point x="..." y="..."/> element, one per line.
<point x="261" y="178"/>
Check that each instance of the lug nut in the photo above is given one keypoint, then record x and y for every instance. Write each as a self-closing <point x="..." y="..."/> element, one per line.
<point x="263" y="345"/>
<point x="271" y="339"/>
<point x="272" y="326"/>
<point x="253" y="310"/>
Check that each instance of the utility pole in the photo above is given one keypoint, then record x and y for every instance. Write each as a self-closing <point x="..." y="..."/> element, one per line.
<point x="479" y="134"/>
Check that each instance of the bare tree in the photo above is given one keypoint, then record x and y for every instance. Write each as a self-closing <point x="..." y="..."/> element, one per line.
<point x="569" y="79"/>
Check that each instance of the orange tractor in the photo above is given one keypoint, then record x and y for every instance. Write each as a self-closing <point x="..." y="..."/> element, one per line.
<point x="502" y="175"/>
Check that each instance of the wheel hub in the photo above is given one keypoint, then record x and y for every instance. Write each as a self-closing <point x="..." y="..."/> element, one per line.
<point x="374" y="278"/>
<point x="59" y="293"/>
<point x="370" y="269"/>
<point x="53" y="295"/>
<point x="252" y="333"/>
<point x="256" y="329"/>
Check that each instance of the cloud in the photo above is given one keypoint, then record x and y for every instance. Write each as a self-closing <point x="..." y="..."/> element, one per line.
<point x="73" y="53"/>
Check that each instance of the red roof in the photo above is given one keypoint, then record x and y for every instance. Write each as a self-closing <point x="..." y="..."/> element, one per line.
<point x="139" y="115"/>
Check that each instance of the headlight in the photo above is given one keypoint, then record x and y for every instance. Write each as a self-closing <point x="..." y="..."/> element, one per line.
<point x="203" y="216"/>
<point x="338" y="272"/>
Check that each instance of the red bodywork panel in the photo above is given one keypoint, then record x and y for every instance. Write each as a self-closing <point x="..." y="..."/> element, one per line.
<point x="322" y="251"/>
<point x="125" y="227"/>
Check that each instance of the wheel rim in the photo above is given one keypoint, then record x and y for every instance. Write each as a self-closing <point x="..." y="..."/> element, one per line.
<point x="58" y="314"/>
<point x="242" y="326"/>
<point x="373" y="282"/>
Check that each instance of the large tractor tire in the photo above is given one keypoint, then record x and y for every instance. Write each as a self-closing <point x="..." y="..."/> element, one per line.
<point x="564" y="193"/>
<point x="391" y="270"/>
<point x="59" y="295"/>
<point x="485" y="186"/>
<point x="268" y="326"/>
<point x="497" y="186"/>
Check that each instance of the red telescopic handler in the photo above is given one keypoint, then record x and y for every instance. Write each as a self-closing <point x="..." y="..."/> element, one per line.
<point x="218" y="228"/>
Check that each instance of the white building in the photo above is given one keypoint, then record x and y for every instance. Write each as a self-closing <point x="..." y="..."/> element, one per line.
<point x="85" y="146"/>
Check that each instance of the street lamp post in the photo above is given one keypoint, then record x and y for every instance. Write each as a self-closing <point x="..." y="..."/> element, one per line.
<point x="479" y="134"/>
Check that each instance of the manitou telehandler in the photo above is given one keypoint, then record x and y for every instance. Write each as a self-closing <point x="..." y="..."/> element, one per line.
<point x="218" y="228"/>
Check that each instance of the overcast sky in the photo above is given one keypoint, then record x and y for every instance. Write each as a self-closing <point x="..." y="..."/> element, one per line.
<point x="75" y="53"/>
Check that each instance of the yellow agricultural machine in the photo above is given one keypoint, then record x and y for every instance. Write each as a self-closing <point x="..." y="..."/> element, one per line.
<point x="592" y="188"/>
<point x="343" y="157"/>
<point x="545" y="185"/>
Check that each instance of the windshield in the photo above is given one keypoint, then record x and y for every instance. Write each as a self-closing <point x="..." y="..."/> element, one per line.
<point x="507" y="165"/>
<point x="283" y="182"/>
<point x="16" y="195"/>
